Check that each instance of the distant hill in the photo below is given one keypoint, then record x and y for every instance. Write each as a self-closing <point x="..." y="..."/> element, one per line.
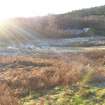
<point x="89" y="11"/>
<point x="93" y="19"/>
<point x="85" y="22"/>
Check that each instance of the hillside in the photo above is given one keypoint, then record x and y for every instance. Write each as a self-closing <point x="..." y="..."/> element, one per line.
<point x="74" y="23"/>
<point x="85" y="22"/>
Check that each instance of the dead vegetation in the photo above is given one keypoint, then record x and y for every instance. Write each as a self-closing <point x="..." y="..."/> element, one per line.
<point x="22" y="74"/>
<point x="6" y="95"/>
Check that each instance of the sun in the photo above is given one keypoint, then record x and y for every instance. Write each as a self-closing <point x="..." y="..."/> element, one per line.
<point x="5" y="12"/>
<point x="27" y="8"/>
<point x="22" y="8"/>
<point x="4" y="19"/>
<point x="18" y="8"/>
<point x="13" y="8"/>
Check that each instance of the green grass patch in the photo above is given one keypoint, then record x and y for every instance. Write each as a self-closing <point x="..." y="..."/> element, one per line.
<point x="67" y="96"/>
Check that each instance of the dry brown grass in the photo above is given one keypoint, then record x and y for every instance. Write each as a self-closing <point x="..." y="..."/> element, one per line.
<point x="48" y="72"/>
<point x="25" y="73"/>
<point x="6" y="95"/>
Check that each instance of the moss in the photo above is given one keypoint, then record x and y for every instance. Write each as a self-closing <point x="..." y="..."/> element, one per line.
<point x="68" y="96"/>
<point x="101" y="93"/>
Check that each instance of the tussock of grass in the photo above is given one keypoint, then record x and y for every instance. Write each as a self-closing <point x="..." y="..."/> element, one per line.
<point x="6" y="95"/>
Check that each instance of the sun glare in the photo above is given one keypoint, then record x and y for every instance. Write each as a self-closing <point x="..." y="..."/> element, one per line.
<point x="14" y="8"/>
<point x="27" y="8"/>
<point x="21" y="8"/>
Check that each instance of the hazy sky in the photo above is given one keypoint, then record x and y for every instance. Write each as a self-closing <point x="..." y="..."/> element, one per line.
<point x="26" y="8"/>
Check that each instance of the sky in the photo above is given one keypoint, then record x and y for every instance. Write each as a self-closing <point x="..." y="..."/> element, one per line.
<point x="27" y="8"/>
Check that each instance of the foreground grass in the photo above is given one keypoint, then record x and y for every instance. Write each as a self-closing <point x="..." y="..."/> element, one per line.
<point x="67" y="96"/>
<point x="31" y="78"/>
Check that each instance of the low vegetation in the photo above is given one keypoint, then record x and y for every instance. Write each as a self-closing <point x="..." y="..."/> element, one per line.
<point x="66" y="79"/>
<point x="67" y="96"/>
<point x="6" y="95"/>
